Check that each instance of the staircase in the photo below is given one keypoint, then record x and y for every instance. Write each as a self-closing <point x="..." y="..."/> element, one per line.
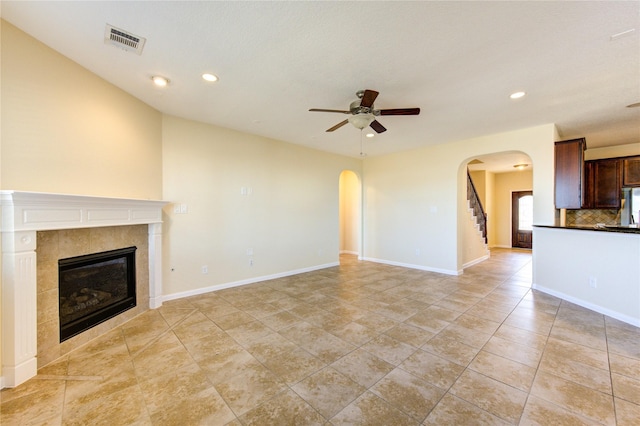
<point x="476" y="208"/>
<point x="478" y="234"/>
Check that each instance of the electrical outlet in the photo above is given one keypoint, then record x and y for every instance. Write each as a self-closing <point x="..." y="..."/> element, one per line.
<point x="250" y="262"/>
<point x="249" y="252"/>
<point x="205" y="269"/>
<point x="593" y="282"/>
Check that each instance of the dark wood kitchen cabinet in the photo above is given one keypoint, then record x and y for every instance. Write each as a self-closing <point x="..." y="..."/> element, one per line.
<point x="569" y="173"/>
<point x="631" y="171"/>
<point x="603" y="184"/>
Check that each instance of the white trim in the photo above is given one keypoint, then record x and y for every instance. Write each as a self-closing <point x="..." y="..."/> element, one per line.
<point x="500" y="246"/>
<point x="38" y="211"/>
<point x="240" y="283"/>
<point x="412" y="266"/>
<point x="608" y="312"/>
<point x="1" y="382"/>
<point x="476" y="261"/>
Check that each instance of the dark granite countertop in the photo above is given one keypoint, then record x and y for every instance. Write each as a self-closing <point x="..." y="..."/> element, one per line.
<point x="600" y="228"/>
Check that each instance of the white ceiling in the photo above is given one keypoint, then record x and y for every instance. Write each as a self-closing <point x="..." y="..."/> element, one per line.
<point x="457" y="61"/>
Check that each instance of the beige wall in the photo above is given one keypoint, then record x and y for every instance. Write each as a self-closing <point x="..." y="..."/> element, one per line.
<point x="289" y="217"/>
<point x="479" y="178"/>
<point x="504" y="185"/>
<point x="66" y="130"/>
<point x="350" y="201"/>
<point x="612" y="151"/>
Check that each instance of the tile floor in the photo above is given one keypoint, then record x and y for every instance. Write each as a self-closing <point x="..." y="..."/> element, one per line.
<point x="359" y="344"/>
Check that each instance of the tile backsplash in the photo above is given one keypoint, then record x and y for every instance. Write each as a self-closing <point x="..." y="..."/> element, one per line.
<point x="592" y="217"/>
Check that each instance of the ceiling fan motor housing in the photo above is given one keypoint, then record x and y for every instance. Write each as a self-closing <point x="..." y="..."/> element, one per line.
<point x="356" y="108"/>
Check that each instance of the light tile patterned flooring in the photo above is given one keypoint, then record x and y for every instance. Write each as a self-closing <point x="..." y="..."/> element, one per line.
<point x="362" y="343"/>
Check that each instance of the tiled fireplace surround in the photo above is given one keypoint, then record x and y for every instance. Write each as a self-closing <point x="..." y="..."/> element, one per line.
<point x="37" y="230"/>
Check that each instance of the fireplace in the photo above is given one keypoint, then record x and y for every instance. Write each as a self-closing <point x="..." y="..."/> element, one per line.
<point x="94" y="288"/>
<point x="62" y="226"/>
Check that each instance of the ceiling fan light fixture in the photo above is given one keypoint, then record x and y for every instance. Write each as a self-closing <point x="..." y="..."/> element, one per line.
<point x="370" y="135"/>
<point x="360" y="121"/>
<point x="521" y="166"/>
<point x="517" y="95"/>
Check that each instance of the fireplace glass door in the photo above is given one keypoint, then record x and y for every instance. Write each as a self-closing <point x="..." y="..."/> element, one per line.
<point x="94" y="288"/>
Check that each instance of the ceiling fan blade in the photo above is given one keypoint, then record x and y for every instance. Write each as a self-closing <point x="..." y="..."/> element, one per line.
<point x="379" y="128"/>
<point x="329" y="110"/>
<point x="400" y="111"/>
<point x="337" y="126"/>
<point x="368" y="98"/>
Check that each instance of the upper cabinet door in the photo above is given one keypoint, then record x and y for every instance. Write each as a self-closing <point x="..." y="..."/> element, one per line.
<point x="569" y="173"/>
<point x="606" y="183"/>
<point x="631" y="172"/>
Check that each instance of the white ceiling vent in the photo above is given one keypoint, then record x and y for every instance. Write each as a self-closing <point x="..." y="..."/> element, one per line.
<point x="124" y="39"/>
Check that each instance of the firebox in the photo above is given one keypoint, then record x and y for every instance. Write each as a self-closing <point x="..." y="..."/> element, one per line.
<point x="94" y="288"/>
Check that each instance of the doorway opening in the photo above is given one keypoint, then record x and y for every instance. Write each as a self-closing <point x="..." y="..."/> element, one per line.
<point x="350" y="213"/>
<point x="522" y="219"/>
<point x="496" y="176"/>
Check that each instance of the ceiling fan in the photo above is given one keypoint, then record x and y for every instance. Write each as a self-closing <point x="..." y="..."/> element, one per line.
<point x="363" y="113"/>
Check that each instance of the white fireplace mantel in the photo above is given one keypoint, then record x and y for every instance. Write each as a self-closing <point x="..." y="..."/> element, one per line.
<point x="25" y="213"/>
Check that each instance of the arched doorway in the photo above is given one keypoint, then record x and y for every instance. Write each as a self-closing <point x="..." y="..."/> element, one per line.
<point x="350" y="213"/>
<point x="497" y="178"/>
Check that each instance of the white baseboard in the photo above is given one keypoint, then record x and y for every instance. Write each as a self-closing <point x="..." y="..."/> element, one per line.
<point x="599" y="309"/>
<point x="1" y="382"/>
<point x="412" y="266"/>
<point x="245" y="282"/>
<point x="476" y="261"/>
<point x="349" y="252"/>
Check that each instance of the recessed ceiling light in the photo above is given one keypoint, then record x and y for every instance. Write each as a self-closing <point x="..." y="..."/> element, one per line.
<point x="209" y="77"/>
<point x="369" y="135"/>
<point x="160" y="81"/>
<point x="517" y="95"/>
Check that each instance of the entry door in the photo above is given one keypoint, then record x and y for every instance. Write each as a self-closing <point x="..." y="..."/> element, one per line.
<point x="522" y="219"/>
